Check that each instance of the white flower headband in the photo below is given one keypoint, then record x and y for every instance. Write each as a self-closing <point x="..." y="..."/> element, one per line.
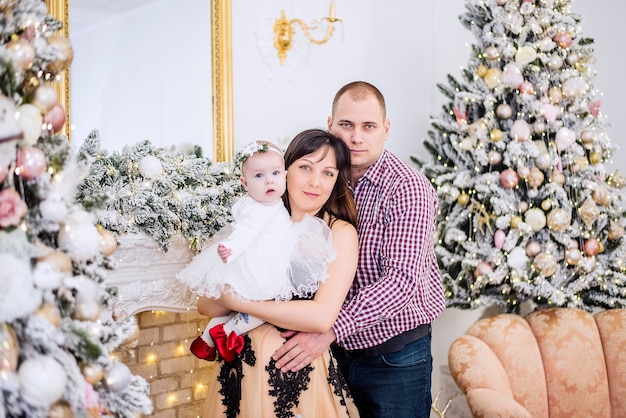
<point x="251" y="149"/>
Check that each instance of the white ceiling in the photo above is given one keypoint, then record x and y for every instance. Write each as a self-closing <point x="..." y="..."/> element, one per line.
<point x="86" y="12"/>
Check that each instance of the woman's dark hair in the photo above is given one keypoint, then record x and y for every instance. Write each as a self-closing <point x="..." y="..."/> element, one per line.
<point x="340" y="203"/>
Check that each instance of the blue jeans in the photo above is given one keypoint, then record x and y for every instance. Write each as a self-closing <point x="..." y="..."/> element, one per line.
<point x="395" y="385"/>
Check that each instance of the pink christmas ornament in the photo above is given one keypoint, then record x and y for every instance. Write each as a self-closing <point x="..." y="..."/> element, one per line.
<point x="461" y="117"/>
<point x="55" y="118"/>
<point x="520" y="130"/>
<point x="563" y="39"/>
<point x="565" y="137"/>
<point x="549" y="112"/>
<point x="31" y="162"/>
<point x="482" y="268"/>
<point x="527" y="88"/>
<point x="498" y="239"/>
<point x="594" y="108"/>
<point x="591" y="247"/>
<point x="509" y="178"/>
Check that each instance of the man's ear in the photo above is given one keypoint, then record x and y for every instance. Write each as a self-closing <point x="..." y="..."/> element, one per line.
<point x="329" y="122"/>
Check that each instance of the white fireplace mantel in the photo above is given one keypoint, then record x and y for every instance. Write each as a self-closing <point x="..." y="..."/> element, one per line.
<point x="146" y="276"/>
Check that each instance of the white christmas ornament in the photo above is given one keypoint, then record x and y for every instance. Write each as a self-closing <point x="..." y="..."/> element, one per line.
<point x="79" y="237"/>
<point x="117" y="377"/>
<point x="525" y="55"/>
<point x="574" y="87"/>
<point x="53" y="208"/>
<point x="30" y="121"/>
<point x="517" y="258"/>
<point x="512" y="75"/>
<point x="42" y="381"/>
<point x="150" y="167"/>
<point x="565" y="137"/>
<point x="46" y="276"/>
<point x="520" y="130"/>
<point x="535" y="218"/>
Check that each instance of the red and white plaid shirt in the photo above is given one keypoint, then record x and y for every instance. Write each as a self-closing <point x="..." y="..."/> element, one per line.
<point x="398" y="283"/>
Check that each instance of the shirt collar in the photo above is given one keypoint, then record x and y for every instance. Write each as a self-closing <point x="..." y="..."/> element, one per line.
<point x="375" y="172"/>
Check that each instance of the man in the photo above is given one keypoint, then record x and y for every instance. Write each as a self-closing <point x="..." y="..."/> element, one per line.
<point x="383" y="330"/>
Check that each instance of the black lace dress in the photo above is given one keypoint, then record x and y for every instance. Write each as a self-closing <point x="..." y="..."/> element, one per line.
<point x="252" y="386"/>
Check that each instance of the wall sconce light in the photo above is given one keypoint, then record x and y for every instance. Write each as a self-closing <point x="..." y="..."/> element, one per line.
<point x="283" y="31"/>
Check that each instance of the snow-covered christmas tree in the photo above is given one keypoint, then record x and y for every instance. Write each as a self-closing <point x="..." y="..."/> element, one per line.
<point x="529" y="212"/>
<point x="58" y="335"/>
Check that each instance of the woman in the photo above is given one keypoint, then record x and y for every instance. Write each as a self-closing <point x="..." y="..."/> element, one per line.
<point x="318" y="168"/>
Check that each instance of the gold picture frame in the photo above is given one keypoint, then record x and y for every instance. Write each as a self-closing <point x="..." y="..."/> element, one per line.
<point x="221" y="68"/>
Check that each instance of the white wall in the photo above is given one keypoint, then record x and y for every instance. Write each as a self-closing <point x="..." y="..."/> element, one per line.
<point x="404" y="47"/>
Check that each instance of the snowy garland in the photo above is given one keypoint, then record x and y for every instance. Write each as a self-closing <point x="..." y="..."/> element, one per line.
<point x="160" y="193"/>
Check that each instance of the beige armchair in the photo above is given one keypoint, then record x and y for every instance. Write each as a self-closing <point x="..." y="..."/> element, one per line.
<point x="556" y="362"/>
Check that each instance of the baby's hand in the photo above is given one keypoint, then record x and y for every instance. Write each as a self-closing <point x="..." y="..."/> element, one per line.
<point x="224" y="252"/>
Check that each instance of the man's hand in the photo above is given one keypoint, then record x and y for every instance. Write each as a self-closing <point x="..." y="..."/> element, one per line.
<point x="301" y="349"/>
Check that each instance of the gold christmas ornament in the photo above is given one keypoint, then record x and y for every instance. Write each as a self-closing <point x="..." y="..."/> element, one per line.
<point x="559" y="220"/>
<point x="616" y="230"/>
<point x="504" y="111"/>
<point x="108" y="242"/>
<point x="546" y="204"/>
<point x="491" y="53"/>
<point x="463" y="199"/>
<point x="557" y="177"/>
<point x="60" y="409"/>
<point x="481" y="71"/>
<point x="545" y="263"/>
<point x="495" y="135"/>
<point x="535" y="177"/>
<point x="59" y="260"/>
<point x="93" y="373"/>
<point x="573" y="256"/>
<point x="533" y="248"/>
<point x="66" y="53"/>
<point x="555" y="95"/>
<point x="523" y="172"/>
<point x="595" y="157"/>
<point x="588" y="212"/>
<point x="50" y="312"/>
<point x="601" y="196"/>
<point x="515" y="221"/>
<point x="617" y="180"/>
<point x="587" y="137"/>
<point x="493" y="78"/>
<point x="87" y="311"/>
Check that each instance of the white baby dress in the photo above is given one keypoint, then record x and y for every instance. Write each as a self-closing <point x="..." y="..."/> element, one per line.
<point x="272" y="257"/>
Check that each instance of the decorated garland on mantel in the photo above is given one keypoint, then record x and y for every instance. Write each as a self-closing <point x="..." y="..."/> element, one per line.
<point x="161" y="193"/>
